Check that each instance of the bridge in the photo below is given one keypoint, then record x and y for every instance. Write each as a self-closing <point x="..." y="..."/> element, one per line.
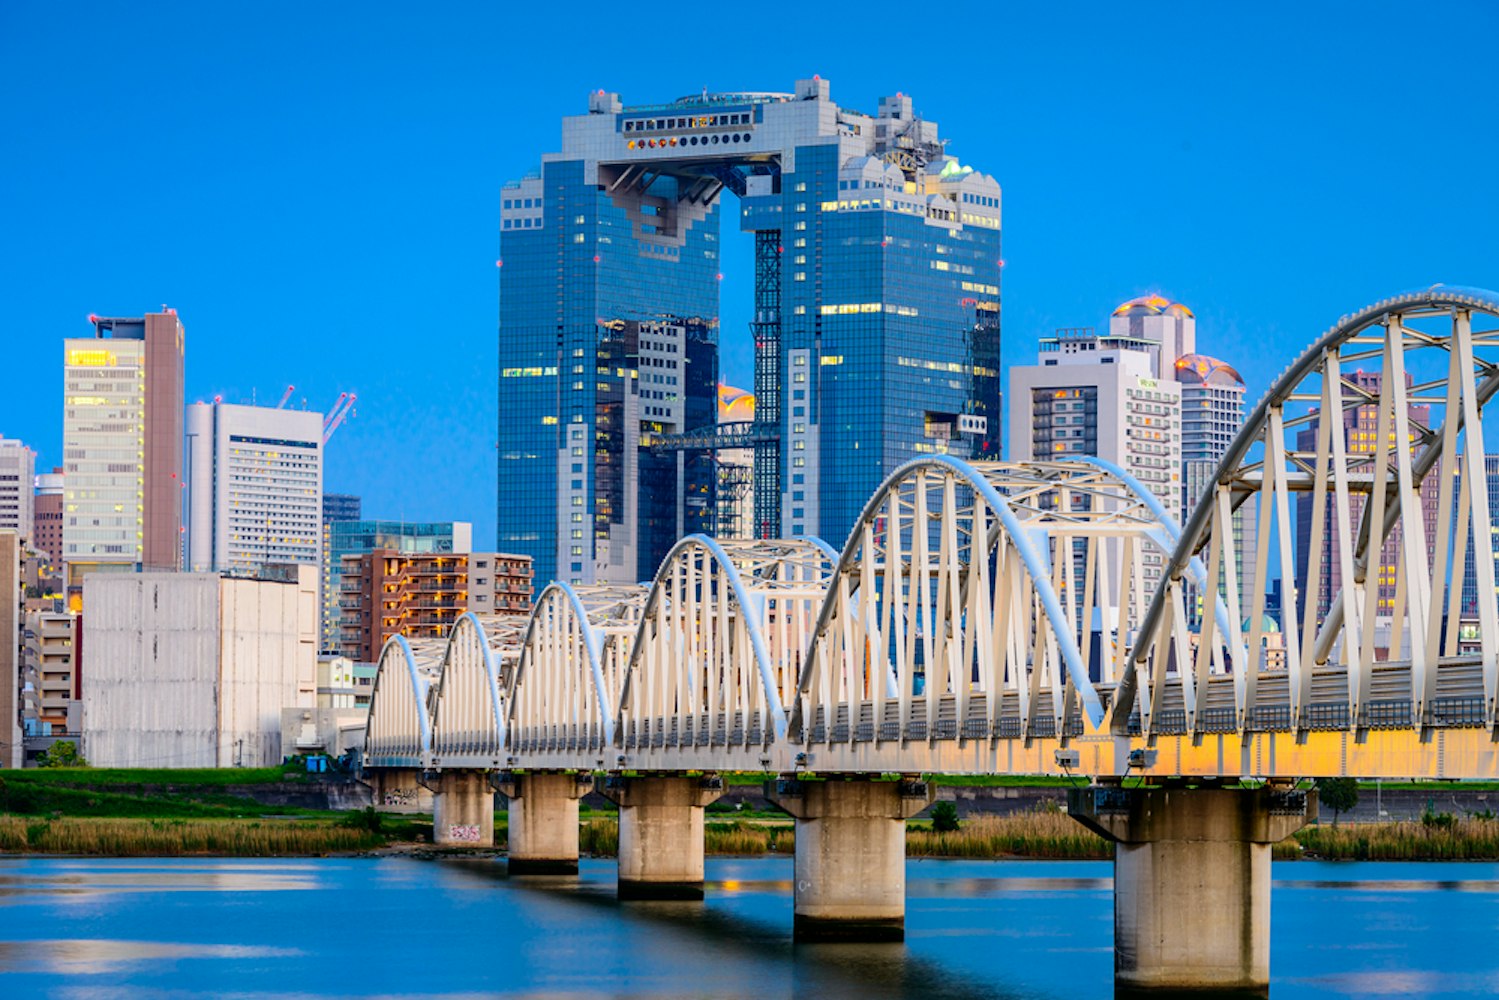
<point x="1043" y="618"/>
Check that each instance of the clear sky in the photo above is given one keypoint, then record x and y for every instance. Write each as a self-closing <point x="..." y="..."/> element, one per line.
<point x="315" y="187"/>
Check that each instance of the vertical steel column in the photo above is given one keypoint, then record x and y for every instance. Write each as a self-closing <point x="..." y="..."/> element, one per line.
<point x="767" y="331"/>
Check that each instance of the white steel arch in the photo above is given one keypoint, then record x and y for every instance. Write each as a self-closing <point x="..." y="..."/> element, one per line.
<point x="398" y="732"/>
<point x="720" y="648"/>
<point x="964" y="603"/>
<point x="1393" y="497"/>
<point x="563" y="695"/>
<point x="468" y="715"/>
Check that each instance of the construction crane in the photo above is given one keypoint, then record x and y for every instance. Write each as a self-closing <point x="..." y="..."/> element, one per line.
<point x="338" y="414"/>
<point x="285" y="396"/>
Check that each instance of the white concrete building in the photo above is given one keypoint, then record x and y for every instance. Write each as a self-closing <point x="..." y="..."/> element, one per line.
<point x="255" y="487"/>
<point x="17" y="477"/>
<point x="194" y="669"/>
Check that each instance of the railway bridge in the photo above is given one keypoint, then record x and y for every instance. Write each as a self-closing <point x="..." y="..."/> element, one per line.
<point x="1043" y="618"/>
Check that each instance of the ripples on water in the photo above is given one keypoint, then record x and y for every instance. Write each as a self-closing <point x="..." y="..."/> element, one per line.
<point x="397" y="927"/>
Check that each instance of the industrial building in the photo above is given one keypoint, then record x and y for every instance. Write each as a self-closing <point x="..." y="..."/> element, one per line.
<point x="255" y="487"/>
<point x="876" y="320"/>
<point x="194" y="669"/>
<point x="122" y="446"/>
<point x="421" y="595"/>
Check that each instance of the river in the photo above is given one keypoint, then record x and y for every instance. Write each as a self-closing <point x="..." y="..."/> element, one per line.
<point x="401" y="927"/>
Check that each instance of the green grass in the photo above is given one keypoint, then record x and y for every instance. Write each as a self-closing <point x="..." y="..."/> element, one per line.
<point x="177" y="778"/>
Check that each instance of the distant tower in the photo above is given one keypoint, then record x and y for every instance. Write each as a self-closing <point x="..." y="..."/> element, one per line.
<point x="122" y="445"/>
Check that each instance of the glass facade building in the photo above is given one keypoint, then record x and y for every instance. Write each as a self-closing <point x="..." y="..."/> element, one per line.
<point x="876" y="320"/>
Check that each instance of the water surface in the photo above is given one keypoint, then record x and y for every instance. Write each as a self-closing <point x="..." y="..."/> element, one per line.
<point x="401" y="927"/>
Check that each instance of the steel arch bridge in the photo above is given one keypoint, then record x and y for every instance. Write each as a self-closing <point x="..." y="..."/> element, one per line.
<point x="994" y="617"/>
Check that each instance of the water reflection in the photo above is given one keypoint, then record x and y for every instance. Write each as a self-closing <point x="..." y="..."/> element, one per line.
<point x="87" y="957"/>
<point x="401" y="927"/>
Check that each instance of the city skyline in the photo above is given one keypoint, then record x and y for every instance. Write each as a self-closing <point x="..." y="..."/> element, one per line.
<point x="1108" y="192"/>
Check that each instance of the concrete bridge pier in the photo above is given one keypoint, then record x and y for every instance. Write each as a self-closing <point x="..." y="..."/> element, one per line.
<point x="462" y="809"/>
<point x="850" y="855"/>
<point x="1192" y="880"/>
<point x="661" y="834"/>
<point x="398" y="790"/>
<point x="543" y="821"/>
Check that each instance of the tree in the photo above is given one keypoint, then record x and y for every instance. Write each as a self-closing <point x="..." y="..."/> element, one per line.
<point x="1338" y="794"/>
<point x="63" y="753"/>
<point x="944" y="818"/>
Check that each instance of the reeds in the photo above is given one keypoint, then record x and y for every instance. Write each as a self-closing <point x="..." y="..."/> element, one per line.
<point x="1454" y="840"/>
<point x="1037" y="834"/>
<point x="167" y="838"/>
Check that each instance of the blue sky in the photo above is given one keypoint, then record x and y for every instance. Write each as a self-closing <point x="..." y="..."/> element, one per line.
<point x="315" y="188"/>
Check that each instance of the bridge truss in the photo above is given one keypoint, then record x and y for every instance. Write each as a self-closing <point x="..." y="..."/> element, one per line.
<point x="1032" y="618"/>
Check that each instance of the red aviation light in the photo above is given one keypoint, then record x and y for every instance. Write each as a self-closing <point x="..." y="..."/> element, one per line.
<point x="596" y="258"/>
<point x="93" y="318"/>
<point x="720" y="275"/>
<point x="499" y="263"/>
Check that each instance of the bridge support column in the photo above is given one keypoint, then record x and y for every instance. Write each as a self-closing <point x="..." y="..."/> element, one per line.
<point x="850" y="855"/>
<point x="463" y="810"/>
<point x="543" y="821"/>
<point x="661" y="834"/>
<point x="1192" y="880"/>
<point x="398" y="790"/>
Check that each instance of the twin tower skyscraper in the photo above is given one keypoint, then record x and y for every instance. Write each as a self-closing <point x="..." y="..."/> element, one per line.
<point x="876" y="321"/>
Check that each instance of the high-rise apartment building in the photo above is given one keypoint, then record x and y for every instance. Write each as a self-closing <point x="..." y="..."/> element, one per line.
<point x="352" y="538"/>
<point x="17" y="486"/>
<point x="386" y="593"/>
<point x="876" y="320"/>
<point x="46" y="517"/>
<point x="122" y="445"/>
<point x="255" y="487"/>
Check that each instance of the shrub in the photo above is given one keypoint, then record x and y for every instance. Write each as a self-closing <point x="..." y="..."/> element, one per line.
<point x="944" y="818"/>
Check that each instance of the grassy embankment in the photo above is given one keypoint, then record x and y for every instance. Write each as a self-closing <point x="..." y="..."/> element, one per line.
<point x="174" y="812"/>
<point x="142" y="813"/>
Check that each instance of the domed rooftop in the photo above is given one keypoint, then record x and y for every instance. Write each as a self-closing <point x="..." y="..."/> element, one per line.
<point x="1200" y="369"/>
<point x="1152" y="305"/>
<point x="734" y="405"/>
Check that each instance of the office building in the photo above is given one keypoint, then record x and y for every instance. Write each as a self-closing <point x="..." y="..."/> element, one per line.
<point x="1101" y="395"/>
<point x="194" y="669"/>
<point x="421" y="595"/>
<point x="349" y="538"/>
<point x="1470" y="594"/>
<point x="17" y="486"/>
<point x="876" y="320"/>
<point x="341" y="507"/>
<point x="122" y="446"/>
<point x="255" y="487"/>
<point x="46" y="519"/>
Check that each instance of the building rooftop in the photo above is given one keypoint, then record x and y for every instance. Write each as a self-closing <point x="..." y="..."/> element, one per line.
<point x="1152" y="304"/>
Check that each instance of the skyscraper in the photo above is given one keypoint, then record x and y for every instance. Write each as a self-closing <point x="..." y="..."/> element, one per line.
<point x="17" y="483"/>
<point x="122" y="445"/>
<point x="255" y="487"/>
<point x="876" y="320"/>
